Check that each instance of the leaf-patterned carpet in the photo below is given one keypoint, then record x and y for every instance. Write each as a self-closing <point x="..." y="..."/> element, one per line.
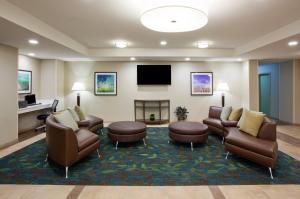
<point x="159" y="163"/>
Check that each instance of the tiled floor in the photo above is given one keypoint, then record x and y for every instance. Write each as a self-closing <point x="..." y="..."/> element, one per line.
<point x="288" y="140"/>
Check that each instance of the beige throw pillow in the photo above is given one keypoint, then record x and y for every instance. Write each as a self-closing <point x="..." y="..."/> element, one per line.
<point x="66" y="119"/>
<point x="235" y="114"/>
<point x="74" y="114"/>
<point x="252" y="122"/>
<point x="79" y="112"/>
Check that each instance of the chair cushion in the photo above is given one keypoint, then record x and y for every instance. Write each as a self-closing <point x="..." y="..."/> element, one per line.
<point x="235" y="114"/>
<point x="65" y="118"/>
<point x="93" y="120"/>
<point x="225" y="112"/>
<point x="213" y="122"/>
<point x="252" y="122"/>
<point x="246" y="141"/>
<point x="85" y="138"/>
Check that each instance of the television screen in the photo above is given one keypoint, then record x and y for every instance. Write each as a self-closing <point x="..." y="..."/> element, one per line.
<point x="154" y="74"/>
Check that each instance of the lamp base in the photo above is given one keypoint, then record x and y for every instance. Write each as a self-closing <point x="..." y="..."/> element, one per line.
<point x="78" y="99"/>
<point x="223" y="100"/>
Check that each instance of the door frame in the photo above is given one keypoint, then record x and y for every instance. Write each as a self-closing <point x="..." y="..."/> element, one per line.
<point x="270" y="93"/>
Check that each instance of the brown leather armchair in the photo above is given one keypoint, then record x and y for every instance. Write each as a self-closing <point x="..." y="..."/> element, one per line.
<point x="66" y="147"/>
<point x="262" y="149"/>
<point x="92" y="123"/>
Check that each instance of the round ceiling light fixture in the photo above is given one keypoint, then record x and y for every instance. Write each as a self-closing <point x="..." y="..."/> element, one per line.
<point x="121" y="44"/>
<point x="202" y="44"/>
<point x="174" y="18"/>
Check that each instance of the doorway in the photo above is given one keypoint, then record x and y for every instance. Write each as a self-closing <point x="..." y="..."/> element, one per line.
<point x="265" y="93"/>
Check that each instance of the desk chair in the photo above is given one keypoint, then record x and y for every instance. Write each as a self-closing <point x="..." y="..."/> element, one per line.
<point x="43" y="117"/>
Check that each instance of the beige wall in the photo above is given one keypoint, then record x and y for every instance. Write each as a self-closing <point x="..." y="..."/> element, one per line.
<point x="34" y="65"/>
<point x="121" y="107"/>
<point x="253" y="85"/>
<point x="52" y="81"/>
<point x="296" y="73"/>
<point x="245" y="85"/>
<point x="8" y="99"/>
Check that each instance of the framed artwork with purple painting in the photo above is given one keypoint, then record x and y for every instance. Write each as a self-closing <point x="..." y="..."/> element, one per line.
<point x="202" y="83"/>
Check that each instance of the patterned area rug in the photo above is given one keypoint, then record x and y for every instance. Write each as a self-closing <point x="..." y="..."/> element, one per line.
<point x="159" y="163"/>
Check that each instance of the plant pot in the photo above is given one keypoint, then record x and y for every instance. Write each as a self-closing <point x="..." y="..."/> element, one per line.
<point x="181" y="118"/>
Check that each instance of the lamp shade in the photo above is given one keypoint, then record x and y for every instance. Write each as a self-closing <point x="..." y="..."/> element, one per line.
<point x="223" y="87"/>
<point x="78" y="86"/>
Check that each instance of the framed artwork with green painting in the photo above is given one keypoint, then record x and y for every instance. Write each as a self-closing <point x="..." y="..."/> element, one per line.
<point x="24" y="82"/>
<point x="105" y="83"/>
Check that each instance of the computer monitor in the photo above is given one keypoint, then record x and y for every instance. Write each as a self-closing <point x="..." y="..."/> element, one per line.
<point x="30" y="99"/>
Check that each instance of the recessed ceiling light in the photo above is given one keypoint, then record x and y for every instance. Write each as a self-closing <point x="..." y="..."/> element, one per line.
<point x="202" y="44"/>
<point x="31" y="54"/>
<point x="239" y="59"/>
<point x="293" y="43"/>
<point x="132" y="58"/>
<point x="33" y="41"/>
<point x="163" y="43"/>
<point x="179" y="17"/>
<point x="121" y="44"/>
<point x="187" y="59"/>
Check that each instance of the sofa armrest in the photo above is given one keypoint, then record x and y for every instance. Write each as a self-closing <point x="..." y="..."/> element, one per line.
<point x="268" y="130"/>
<point x="229" y="123"/>
<point x="83" y="123"/>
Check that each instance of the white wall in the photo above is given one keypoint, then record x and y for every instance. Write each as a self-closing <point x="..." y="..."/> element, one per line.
<point x="8" y="98"/>
<point x="121" y="107"/>
<point x="34" y="65"/>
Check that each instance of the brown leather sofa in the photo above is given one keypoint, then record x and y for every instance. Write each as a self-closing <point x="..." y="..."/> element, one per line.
<point x="214" y="122"/>
<point x="92" y="123"/>
<point x="66" y="147"/>
<point x="262" y="149"/>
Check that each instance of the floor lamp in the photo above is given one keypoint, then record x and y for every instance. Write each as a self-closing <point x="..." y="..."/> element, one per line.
<point x="78" y="86"/>
<point x="223" y="87"/>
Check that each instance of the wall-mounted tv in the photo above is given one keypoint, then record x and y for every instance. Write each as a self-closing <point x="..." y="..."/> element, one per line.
<point x="154" y="74"/>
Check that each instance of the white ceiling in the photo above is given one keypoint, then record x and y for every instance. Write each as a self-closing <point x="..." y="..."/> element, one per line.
<point x="236" y="28"/>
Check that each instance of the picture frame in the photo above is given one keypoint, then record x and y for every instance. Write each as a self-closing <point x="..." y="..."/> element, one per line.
<point x="24" y="82"/>
<point x="105" y="84"/>
<point x="202" y="84"/>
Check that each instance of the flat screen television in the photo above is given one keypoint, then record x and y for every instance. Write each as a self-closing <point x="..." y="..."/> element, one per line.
<point x="154" y="74"/>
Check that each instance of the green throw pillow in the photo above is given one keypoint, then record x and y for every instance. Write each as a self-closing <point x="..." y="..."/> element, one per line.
<point x="66" y="119"/>
<point x="225" y="112"/>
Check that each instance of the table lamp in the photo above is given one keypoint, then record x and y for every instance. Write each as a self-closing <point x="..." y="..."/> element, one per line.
<point x="223" y="87"/>
<point x="78" y="86"/>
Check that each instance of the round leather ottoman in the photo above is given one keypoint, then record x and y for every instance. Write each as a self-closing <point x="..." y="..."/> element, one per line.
<point x="188" y="132"/>
<point x="126" y="131"/>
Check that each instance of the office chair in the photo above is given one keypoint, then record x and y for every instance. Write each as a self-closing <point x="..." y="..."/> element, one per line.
<point x="43" y="117"/>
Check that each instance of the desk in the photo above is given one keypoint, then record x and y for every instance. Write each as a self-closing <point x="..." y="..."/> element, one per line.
<point x="34" y="108"/>
<point x="27" y="115"/>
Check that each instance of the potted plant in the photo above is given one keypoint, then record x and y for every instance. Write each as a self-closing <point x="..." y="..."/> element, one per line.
<point x="181" y="113"/>
<point x="152" y="117"/>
